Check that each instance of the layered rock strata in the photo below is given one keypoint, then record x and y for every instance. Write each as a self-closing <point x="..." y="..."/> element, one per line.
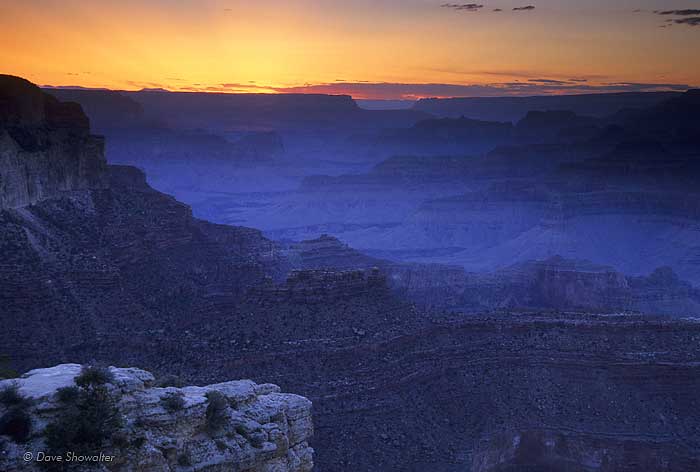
<point x="263" y="430"/>
<point x="45" y="146"/>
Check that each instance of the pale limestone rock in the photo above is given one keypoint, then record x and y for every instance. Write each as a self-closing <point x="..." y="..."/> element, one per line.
<point x="266" y="430"/>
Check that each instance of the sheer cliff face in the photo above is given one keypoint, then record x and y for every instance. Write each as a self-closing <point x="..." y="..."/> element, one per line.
<point x="45" y="146"/>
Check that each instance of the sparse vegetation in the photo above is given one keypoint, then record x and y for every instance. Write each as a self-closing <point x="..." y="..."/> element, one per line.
<point x="120" y="439"/>
<point x="173" y="401"/>
<point x="137" y="442"/>
<point x="169" y="380"/>
<point x="92" y="376"/>
<point x="10" y="396"/>
<point x="16" y="423"/>
<point x="6" y="372"/>
<point x="89" y="419"/>
<point x="68" y="394"/>
<point x="184" y="460"/>
<point x="221" y="445"/>
<point x="216" y="411"/>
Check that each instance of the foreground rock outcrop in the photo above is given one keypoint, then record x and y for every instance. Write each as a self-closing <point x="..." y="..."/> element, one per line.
<point x="262" y="429"/>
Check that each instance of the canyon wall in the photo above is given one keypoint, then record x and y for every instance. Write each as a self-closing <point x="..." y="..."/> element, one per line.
<point x="45" y="146"/>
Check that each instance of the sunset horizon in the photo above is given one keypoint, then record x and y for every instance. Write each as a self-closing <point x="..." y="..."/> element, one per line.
<point x="383" y="50"/>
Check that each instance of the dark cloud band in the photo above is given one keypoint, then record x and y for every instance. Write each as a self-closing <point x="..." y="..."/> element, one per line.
<point x="400" y="91"/>
<point x="463" y="6"/>
<point x="691" y="21"/>
<point x="678" y="12"/>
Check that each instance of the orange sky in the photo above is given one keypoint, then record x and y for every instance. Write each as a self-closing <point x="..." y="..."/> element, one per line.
<point x="285" y="45"/>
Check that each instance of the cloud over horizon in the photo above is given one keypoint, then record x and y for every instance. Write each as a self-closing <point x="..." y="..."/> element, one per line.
<point x="525" y="8"/>
<point x="463" y="6"/>
<point x="405" y="91"/>
<point x="692" y="21"/>
<point x="414" y="91"/>
<point x="689" y="17"/>
<point x="678" y="12"/>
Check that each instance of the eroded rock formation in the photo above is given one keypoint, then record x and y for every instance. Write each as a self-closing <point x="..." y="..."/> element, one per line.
<point x="45" y="146"/>
<point x="262" y="430"/>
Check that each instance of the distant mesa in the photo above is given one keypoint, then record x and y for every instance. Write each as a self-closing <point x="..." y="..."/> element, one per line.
<point x="106" y="108"/>
<point x="154" y="89"/>
<point x="515" y="108"/>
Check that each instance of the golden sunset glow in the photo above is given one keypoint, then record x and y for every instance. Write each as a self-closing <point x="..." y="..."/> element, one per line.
<point x="242" y="46"/>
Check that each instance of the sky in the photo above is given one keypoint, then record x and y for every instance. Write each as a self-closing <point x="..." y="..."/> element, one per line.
<point x="379" y="49"/>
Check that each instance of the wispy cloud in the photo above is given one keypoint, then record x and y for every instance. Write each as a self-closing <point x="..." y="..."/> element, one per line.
<point x="549" y="81"/>
<point x="678" y="12"/>
<point x="463" y="6"/>
<point x="404" y="91"/>
<point x="401" y="91"/>
<point x="525" y="8"/>
<point x="691" y="21"/>
<point x="689" y="17"/>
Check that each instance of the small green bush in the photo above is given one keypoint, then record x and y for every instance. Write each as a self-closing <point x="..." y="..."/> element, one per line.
<point x="120" y="439"/>
<point x="6" y="371"/>
<point x="138" y="442"/>
<point x="216" y="411"/>
<point x="184" y="460"/>
<point x="170" y="381"/>
<point x="87" y="421"/>
<point x="10" y="396"/>
<point x="68" y="394"/>
<point x="173" y="401"/>
<point x="93" y="376"/>
<point x="16" y="423"/>
<point x="221" y="445"/>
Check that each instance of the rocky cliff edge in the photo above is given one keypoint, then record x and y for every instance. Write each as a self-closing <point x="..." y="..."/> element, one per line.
<point x="45" y="146"/>
<point x="259" y="429"/>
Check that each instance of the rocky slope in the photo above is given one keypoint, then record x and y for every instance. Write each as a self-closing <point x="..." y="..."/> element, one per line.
<point x="260" y="430"/>
<point x="580" y="392"/>
<point x="563" y="284"/>
<point x="555" y="283"/>
<point x="126" y="257"/>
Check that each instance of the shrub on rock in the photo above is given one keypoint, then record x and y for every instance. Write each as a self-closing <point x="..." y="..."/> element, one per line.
<point x="216" y="411"/>
<point x="16" y="423"/>
<point x="173" y="401"/>
<point x="88" y="420"/>
<point x="10" y="396"/>
<point x="94" y="376"/>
